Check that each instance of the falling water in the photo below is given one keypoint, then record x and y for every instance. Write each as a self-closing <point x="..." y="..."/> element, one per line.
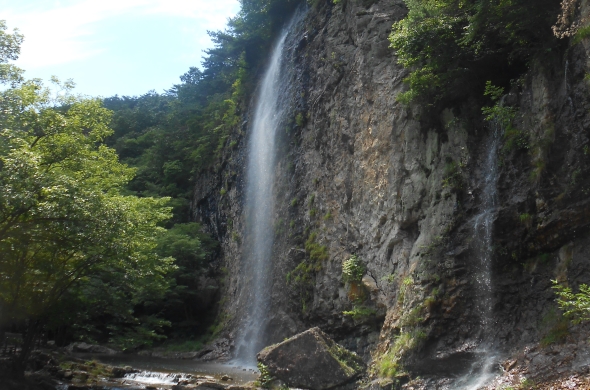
<point x="259" y="207"/>
<point x="482" y="370"/>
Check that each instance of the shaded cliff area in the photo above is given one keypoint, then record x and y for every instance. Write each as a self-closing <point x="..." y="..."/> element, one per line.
<point x="394" y="190"/>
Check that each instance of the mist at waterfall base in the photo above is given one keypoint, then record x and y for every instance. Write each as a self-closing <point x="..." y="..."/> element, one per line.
<point x="259" y="206"/>
<point x="482" y="370"/>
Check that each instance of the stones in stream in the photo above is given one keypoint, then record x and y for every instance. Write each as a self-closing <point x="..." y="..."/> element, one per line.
<point x="311" y="360"/>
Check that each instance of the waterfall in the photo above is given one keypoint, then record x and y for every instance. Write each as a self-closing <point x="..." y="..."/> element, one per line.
<point x="483" y="233"/>
<point x="482" y="370"/>
<point x="259" y="206"/>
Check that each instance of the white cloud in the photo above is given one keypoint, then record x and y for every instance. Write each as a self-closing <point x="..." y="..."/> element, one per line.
<point x="61" y="32"/>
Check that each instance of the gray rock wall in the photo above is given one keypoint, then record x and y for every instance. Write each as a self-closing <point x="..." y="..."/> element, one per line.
<point x="399" y="188"/>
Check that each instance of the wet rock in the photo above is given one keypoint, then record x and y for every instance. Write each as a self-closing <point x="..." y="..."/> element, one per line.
<point x="226" y="378"/>
<point x="89" y="348"/>
<point x="509" y="364"/>
<point x="311" y="360"/>
<point x="218" y="350"/>
<point x="210" y="385"/>
<point x="186" y="355"/>
<point x="82" y="375"/>
<point x="39" y="360"/>
<point x="205" y="377"/>
<point x="119" y="372"/>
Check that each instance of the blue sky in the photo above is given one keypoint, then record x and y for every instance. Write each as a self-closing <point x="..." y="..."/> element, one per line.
<point x="124" y="47"/>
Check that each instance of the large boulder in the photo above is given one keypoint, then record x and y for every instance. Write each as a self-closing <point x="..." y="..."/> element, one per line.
<point x="311" y="360"/>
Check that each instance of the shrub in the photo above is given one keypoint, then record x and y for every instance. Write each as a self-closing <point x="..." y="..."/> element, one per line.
<point x="265" y="379"/>
<point x="353" y="269"/>
<point x="359" y="312"/>
<point x="525" y="218"/>
<point x="575" y="306"/>
<point x="299" y="120"/>
<point x="316" y="251"/>
<point x="388" y="364"/>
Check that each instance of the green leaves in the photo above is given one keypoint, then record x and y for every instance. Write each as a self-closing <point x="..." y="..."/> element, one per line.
<point x="9" y="43"/>
<point x="499" y="113"/>
<point x="451" y="44"/>
<point x="67" y="231"/>
<point x="353" y="269"/>
<point x="575" y="306"/>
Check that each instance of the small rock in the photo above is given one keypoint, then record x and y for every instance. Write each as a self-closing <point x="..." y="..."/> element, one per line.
<point x="205" y="377"/>
<point x="186" y="355"/>
<point x="82" y="375"/>
<point x="226" y="378"/>
<point x="118" y="372"/>
<point x="210" y="385"/>
<point x="90" y="348"/>
<point x="509" y="365"/>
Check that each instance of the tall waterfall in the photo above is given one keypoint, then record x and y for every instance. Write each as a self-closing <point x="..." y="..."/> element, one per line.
<point x="482" y="370"/>
<point x="259" y="207"/>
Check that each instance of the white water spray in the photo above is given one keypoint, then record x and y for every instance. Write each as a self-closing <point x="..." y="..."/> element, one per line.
<point x="159" y="378"/>
<point x="259" y="209"/>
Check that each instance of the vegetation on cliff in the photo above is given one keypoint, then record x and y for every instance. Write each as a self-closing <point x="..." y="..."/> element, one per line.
<point x="454" y="46"/>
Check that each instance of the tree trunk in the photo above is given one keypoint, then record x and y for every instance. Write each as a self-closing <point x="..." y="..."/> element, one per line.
<point x="20" y="362"/>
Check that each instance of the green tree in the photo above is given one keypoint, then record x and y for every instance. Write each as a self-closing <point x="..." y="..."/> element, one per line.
<point x="64" y="222"/>
<point x="9" y="50"/>
<point x="192" y="249"/>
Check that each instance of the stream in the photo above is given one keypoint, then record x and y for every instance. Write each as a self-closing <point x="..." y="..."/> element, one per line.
<point x="162" y="373"/>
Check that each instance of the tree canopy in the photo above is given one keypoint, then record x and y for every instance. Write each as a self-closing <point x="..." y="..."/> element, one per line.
<point x="66" y="225"/>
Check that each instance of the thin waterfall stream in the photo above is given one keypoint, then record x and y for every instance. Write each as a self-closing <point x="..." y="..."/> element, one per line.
<point x="483" y="370"/>
<point x="259" y="206"/>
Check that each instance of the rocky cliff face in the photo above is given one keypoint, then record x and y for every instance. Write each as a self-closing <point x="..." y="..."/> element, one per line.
<point x="362" y="175"/>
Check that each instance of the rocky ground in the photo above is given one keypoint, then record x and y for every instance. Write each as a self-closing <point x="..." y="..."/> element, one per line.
<point x="559" y="364"/>
<point x="563" y="365"/>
